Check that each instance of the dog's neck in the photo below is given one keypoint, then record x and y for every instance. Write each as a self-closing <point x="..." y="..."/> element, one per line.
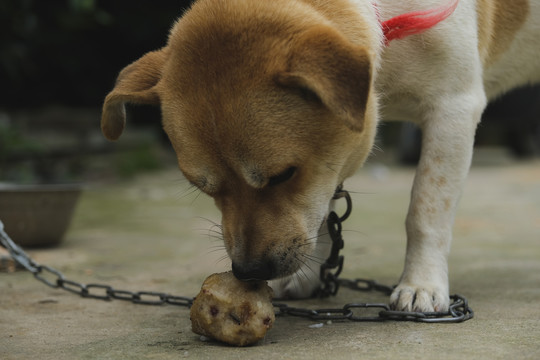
<point x="414" y="22"/>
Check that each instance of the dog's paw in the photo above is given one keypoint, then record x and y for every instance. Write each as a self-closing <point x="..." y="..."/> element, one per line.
<point x="295" y="287"/>
<point x="420" y="298"/>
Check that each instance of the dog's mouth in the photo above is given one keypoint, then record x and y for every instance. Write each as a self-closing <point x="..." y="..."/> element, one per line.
<point x="267" y="268"/>
<point x="255" y="272"/>
<point x="273" y="242"/>
<point x="270" y="260"/>
<point x="279" y="262"/>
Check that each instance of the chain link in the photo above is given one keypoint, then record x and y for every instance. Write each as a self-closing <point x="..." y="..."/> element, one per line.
<point x="328" y="278"/>
<point x="459" y="310"/>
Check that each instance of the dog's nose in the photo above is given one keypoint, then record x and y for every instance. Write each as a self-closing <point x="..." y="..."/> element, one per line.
<point x="254" y="271"/>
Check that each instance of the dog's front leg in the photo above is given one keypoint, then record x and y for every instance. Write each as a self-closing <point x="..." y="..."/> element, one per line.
<point x="445" y="160"/>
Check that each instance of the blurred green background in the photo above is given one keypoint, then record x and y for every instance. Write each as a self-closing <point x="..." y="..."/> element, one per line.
<point x="69" y="51"/>
<point x="58" y="60"/>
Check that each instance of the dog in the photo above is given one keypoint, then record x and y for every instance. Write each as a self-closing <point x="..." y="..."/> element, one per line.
<point x="270" y="105"/>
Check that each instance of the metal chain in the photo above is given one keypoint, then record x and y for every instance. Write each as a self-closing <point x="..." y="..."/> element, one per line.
<point x="328" y="278"/>
<point x="55" y="279"/>
<point x="459" y="310"/>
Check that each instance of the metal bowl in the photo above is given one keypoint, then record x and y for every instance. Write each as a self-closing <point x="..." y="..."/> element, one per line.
<point x="37" y="215"/>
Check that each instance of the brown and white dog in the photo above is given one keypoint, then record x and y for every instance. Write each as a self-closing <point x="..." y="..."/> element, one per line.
<point x="270" y="105"/>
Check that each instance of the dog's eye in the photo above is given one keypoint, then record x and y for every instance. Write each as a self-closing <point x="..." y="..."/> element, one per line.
<point x="281" y="178"/>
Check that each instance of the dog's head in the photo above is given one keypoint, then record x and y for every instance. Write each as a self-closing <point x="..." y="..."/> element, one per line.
<point x="268" y="110"/>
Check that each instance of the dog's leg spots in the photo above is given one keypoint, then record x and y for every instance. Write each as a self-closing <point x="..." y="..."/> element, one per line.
<point x="448" y="137"/>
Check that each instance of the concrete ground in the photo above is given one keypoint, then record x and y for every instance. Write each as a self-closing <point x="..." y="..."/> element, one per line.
<point x="154" y="233"/>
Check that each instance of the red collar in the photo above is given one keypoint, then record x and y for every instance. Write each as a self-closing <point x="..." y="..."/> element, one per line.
<point x="416" y="22"/>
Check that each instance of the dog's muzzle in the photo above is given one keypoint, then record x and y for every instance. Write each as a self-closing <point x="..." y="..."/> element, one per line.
<point x="255" y="271"/>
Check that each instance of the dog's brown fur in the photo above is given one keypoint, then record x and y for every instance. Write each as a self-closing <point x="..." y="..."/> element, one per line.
<point x="498" y="21"/>
<point x="298" y="73"/>
<point x="270" y="105"/>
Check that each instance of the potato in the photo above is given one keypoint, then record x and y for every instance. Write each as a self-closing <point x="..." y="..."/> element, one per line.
<point x="232" y="311"/>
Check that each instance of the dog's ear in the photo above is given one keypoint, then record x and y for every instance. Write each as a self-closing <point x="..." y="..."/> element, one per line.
<point x="135" y="84"/>
<point x="338" y="72"/>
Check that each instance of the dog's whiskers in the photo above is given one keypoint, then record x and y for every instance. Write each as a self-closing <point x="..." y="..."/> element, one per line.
<point x="302" y="270"/>
<point x="221" y="259"/>
<point x="213" y="236"/>
<point x="317" y="259"/>
<point x="190" y="190"/>
<point x="215" y="232"/>
<point x="304" y="259"/>
<point x="330" y="166"/>
<point x="209" y="220"/>
<point x="215" y="249"/>
<point x="354" y="231"/>
<point x="199" y="192"/>
<point x="360" y="192"/>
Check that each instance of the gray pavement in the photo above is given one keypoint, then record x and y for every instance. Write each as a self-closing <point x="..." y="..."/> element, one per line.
<point x="153" y="233"/>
